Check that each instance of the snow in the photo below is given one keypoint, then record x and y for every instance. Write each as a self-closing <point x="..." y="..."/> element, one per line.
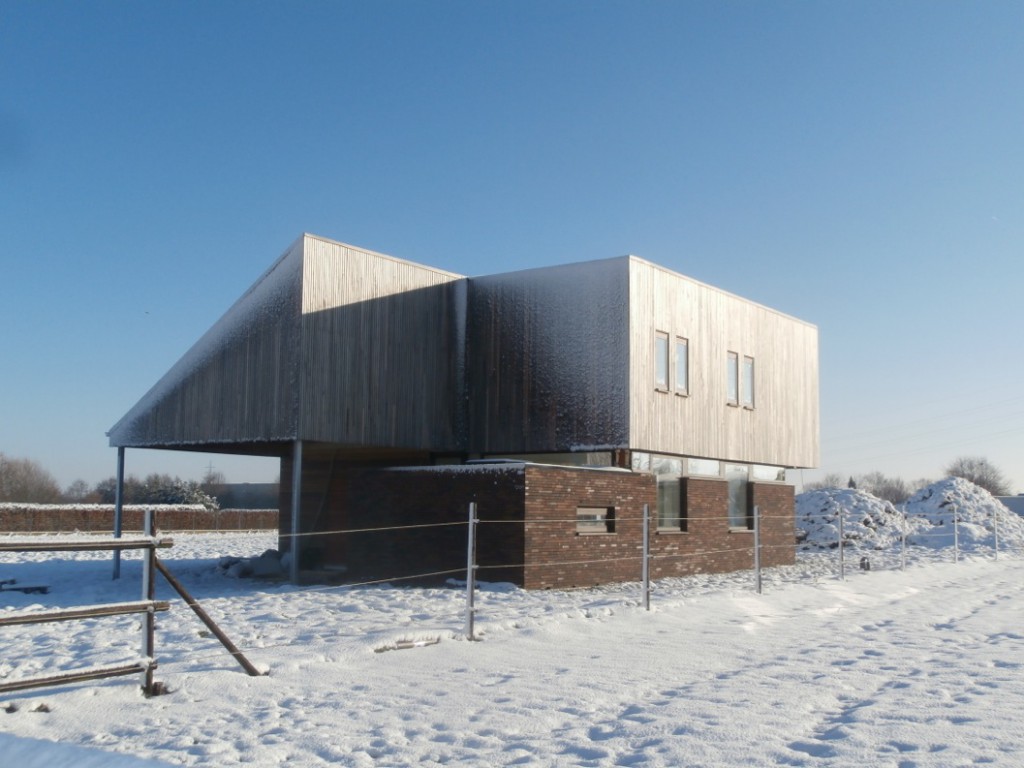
<point x="920" y="667"/>
<point x="871" y="524"/>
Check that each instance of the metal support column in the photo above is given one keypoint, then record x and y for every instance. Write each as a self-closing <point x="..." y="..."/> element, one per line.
<point x="296" y="510"/>
<point x="471" y="573"/>
<point x="118" y="509"/>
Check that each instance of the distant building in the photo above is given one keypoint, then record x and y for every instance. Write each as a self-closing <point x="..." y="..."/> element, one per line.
<point x="247" y="495"/>
<point x="607" y="384"/>
<point x="1013" y="503"/>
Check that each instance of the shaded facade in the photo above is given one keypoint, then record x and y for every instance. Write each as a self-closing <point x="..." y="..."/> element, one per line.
<point x="344" y="363"/>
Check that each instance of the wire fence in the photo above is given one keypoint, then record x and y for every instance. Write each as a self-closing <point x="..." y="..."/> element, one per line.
<point x="838" y="548"/>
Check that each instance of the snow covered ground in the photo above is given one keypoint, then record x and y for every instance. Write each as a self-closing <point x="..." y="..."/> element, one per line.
<point x="885" y="668"/>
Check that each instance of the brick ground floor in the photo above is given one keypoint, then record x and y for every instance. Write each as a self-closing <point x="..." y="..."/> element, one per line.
<point x="541" y="526"/>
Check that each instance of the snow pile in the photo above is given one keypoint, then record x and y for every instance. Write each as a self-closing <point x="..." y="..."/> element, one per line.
<point x="869" y="523"/>
<point x="930" y="517"/>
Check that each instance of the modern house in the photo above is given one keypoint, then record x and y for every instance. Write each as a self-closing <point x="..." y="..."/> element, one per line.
<point x="385" y="387"/>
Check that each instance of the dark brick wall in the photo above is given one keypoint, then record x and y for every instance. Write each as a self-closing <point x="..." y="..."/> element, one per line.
<point x="360" y="501"/>
<point x="546" y="550"/>
<point x="558" y="556"/>
<point x="778" y="522"/>
<point x="708" y="545"/>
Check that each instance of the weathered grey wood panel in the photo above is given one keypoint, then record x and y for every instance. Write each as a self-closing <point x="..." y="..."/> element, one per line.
<point x="781" y="429"/>
<point x="237" y="383"/>
<point x="382" y="352"/>
<point x="549" y="359"/>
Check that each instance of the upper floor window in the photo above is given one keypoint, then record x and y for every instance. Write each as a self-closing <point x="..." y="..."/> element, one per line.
<point x="748" y="382"/>
<point x="661" y="361"/>
<point x="682" y="366"/>
<point x="732" y="379"/>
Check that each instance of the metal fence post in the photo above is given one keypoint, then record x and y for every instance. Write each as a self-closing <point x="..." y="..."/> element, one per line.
<point x="757" y="548"/>
<point x="842" y="548"/>
<point x="903" y="543"/>
<point x="956" y="536"/>
<point x="995" y="531"/>
<point x="646" y="564"/>
<point x="471" y="572"/>
<point x="149" y="617"/>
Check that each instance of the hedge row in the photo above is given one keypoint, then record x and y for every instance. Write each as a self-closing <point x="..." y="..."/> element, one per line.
<point x="99" y="518"/>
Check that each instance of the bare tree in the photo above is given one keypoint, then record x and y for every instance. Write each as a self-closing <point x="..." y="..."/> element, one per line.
<point x="831" y="480"/>
<point x="892" y="489"/>
<point x="78" y="492"/>
<point x="23" y="480"/>
<point x="981" y="472"/>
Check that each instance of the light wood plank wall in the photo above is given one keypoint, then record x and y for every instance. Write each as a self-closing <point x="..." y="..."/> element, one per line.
<point x="782" y="429"/>
<point x="382" y="352"/>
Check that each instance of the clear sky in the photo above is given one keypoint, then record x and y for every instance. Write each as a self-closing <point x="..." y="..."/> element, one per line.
<point x="859" y="165"/>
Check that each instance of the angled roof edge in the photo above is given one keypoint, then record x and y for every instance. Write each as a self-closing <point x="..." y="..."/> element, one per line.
<point x="385" y="256"/>
<point x="234" y="317"/>
<point x="716" y="289"/>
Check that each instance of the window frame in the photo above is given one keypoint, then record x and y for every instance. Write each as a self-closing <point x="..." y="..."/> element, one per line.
<point x="596" y="521"/>
<point x="747" y="388"/>
<point x="732" y="379"/>
<point x="662" y="358"/>
<point x="682" y="357"/>
<point x="738" y="523"/>
<point x="678" y="522"/>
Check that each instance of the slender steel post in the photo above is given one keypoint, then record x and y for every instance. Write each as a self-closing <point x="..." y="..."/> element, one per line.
<point x="118" y="509"/>
<point x="149" y="618"/>
<point x="995" y="531"/>
<point x="646" y="565"/>
<point x="842" y="548"/>
<point x="471" y="572"/>
<point x="757" y="548"/>
<point x="956" y="536"/>
<point x="293" y="547"/>
<point x="903" y="543"/>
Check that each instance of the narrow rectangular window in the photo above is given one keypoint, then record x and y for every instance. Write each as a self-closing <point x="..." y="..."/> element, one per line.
<point x="739" y="502"/>
<point x="732" y="379"/>
<point x="671" y="515"/>
<point x="682" y="365"/>
<point x="595" y="519"/>
<point x="748" y="382"/>
<point x="661" y="361"/>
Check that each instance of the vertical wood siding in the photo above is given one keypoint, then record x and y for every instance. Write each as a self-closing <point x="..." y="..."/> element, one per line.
<point x="548" y="359"/>
<point x="381" y="362"/>
<point x="782" y="428"/>
<point x="237" y="383"/>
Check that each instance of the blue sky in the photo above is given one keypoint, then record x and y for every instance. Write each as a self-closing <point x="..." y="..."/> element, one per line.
<point x="859" y="165"/>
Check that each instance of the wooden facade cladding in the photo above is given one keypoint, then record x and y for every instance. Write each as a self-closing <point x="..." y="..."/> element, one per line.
<point x="548" y="359"/>
<point x="237" y="385"/>
<point x="782" y="427"/>
<point x="382" y="358"/>
<point x="382" y="361"/>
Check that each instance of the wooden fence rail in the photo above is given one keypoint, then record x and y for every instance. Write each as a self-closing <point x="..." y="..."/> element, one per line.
<point x="147" y="606"/>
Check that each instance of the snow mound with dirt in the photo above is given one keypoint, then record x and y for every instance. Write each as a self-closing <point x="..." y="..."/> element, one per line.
<point x="871" y="523"/>
<point x="979" y="517"/>
<point x="868" y="522"/>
